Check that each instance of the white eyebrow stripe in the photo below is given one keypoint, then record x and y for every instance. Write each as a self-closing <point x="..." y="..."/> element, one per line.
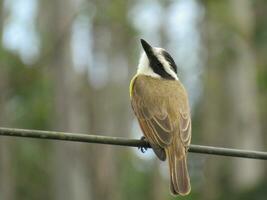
<point x="166" y="65"/>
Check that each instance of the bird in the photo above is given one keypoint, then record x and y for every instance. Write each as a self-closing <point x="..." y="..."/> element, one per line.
<point x="160" y="103"/>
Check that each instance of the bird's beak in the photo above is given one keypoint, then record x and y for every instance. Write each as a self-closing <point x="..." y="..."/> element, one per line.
<point x="147" y="48"/>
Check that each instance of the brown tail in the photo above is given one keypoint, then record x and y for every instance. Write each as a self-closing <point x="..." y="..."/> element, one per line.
<point x="179" y="177"/>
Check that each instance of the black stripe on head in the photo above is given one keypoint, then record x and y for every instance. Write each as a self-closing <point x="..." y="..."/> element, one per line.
<point x="158" y="68"/>
<point x="168" y="57"/>
<point x="155" y="64"/>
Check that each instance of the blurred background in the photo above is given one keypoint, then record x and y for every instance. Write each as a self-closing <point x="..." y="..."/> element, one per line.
<point x="66" y="65"/>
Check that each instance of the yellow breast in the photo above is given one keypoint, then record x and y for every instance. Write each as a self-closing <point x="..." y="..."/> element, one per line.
<point x="131" y="85"/>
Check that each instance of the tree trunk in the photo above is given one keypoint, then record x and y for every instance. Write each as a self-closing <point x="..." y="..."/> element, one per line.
<point x="230" y="112"/>
<point x="70" y="177"/>
<point x="6" y="178"/>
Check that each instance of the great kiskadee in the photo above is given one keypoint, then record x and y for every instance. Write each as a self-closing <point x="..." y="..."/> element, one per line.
<point x="161" y="106"/>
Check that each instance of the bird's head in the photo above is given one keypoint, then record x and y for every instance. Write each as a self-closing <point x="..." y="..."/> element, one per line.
<point x="156" y="62"/>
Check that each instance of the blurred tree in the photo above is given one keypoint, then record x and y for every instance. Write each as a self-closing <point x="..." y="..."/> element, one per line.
<point x="260" y="42"/>
<point x="6" y="178"/>
<point x="230" y="112"/>
<point x="109" y="105"/>
<point x="54" y="93"/>
<point x="70" y="178"/>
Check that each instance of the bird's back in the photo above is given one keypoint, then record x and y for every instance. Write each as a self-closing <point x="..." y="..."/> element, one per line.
<point x="155" y="92"/>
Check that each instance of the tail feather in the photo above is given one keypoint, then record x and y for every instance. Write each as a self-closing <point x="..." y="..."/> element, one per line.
<point x="179" y="177"/>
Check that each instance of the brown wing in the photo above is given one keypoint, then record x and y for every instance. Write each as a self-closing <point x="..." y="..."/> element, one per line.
<point x="155" y="123"/>
<point x="185" y="127"/>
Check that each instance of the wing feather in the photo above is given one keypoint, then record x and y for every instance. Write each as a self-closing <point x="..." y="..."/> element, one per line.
<point x="158" y="125"/>
<point x="185" y="127"/>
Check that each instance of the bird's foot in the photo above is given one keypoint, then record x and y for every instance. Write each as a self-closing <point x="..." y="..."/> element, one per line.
<point x="143" y="149"/>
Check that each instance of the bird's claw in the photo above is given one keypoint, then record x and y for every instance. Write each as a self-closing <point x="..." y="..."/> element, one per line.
<point x="143" y="149"/>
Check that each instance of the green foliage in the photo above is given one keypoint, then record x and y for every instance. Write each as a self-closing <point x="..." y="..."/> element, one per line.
<point x="135" y="183"/>
<point x="31" y="169"/>
<point x="28" y="97"/>
<point x="29" y="94"/>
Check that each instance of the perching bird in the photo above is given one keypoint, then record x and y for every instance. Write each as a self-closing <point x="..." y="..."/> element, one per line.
<point x="161" y="106"/>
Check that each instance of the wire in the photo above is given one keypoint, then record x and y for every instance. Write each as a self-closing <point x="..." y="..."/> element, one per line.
<point x="77" y="137"/>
